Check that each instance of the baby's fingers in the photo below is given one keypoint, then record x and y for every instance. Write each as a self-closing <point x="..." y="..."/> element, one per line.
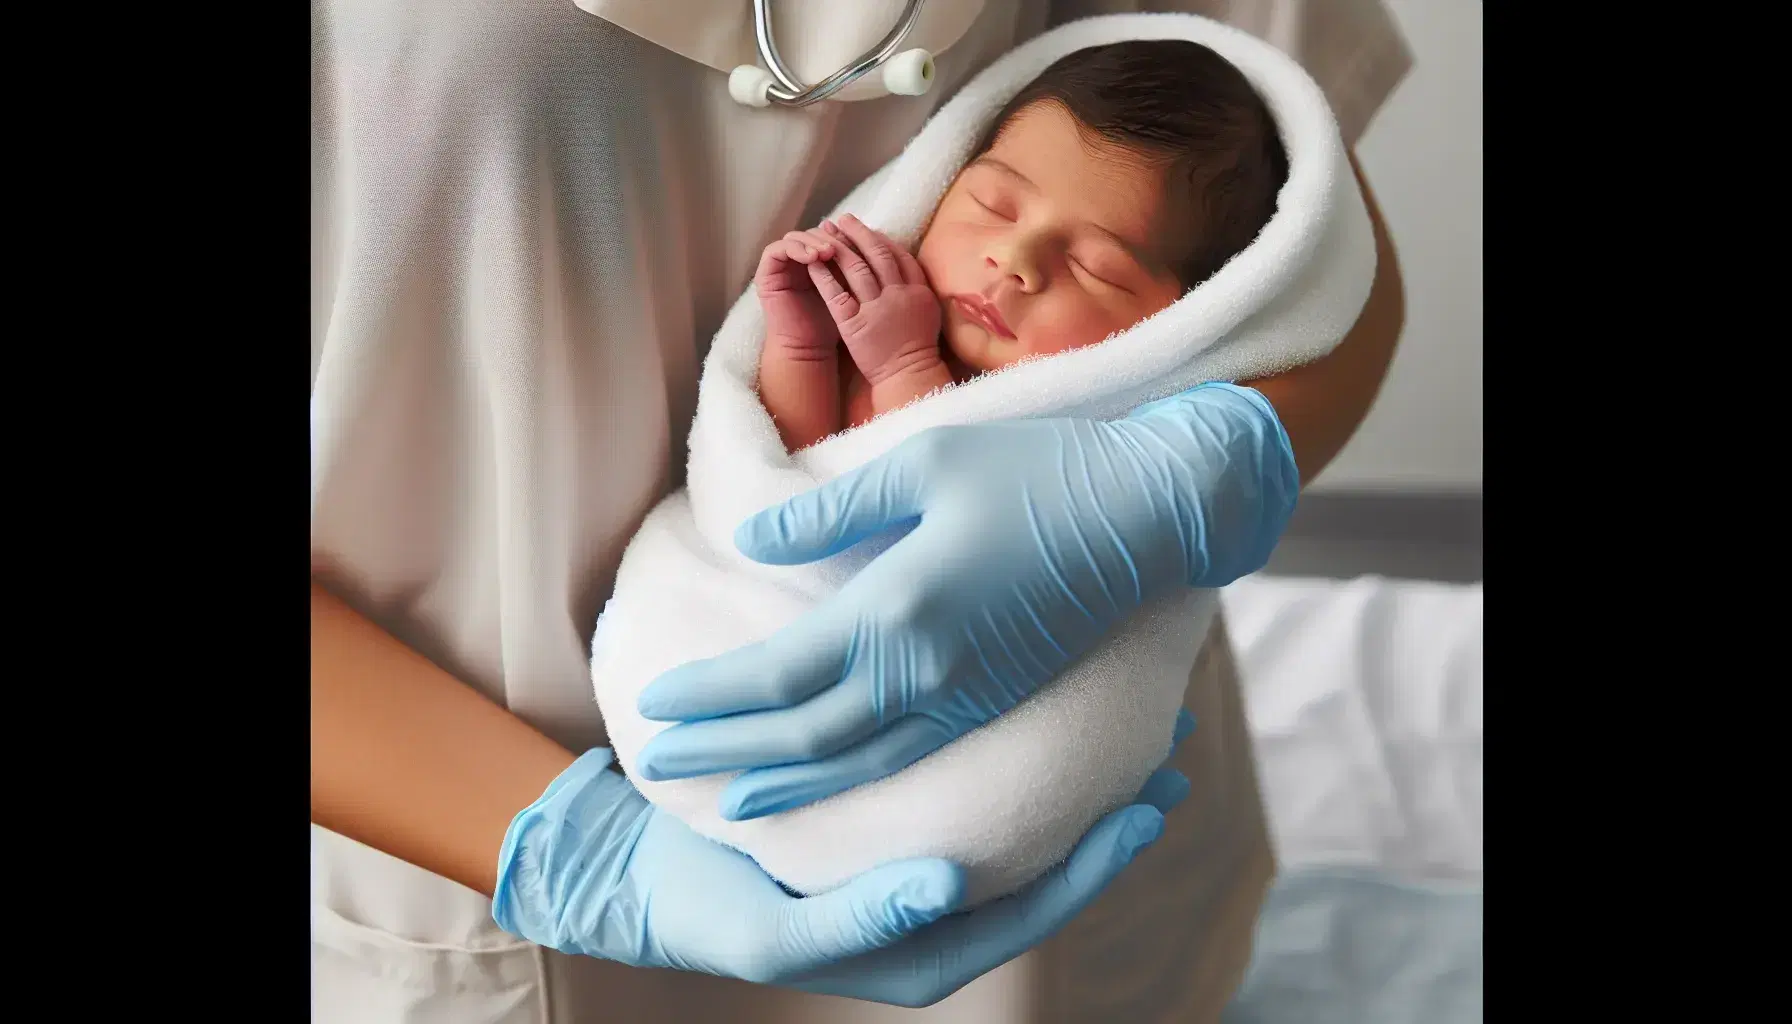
<point x="832" y="232"/>
<point x="822" y="243"/>
<point x="841" y="303"/>
<point x="911" y="267"/>
<point x="860" y="278"/>
<point x="805" y="247"/>
<point x="908" y="269"/>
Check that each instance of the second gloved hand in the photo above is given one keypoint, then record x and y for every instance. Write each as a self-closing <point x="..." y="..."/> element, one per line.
<point x="1031" y="540"/>
<point x="592" y="868"/>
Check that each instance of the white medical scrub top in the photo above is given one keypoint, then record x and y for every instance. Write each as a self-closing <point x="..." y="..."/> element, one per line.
<point x="527" y="222"/>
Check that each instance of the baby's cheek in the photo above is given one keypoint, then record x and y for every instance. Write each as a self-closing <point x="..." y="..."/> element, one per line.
<point x="935" y="256"/>
<point x="1061" y="327"/>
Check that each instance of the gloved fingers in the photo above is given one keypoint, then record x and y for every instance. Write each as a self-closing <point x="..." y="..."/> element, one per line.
<point x="1247" y="401"/>
<point x="877" y="909"/>
<point x="786" y="761"/>
<point x="877" y="249"/>
<point x="764" y="791"/>
<point x="1221" y="432"/>
<point x="860" y="276"/>
<point x="772" y="790"/>
<point x="791" y="665"/>
<point x="827" y="520"/>
<point x="816" y="728"/>
<point x="1185" y="724"/>
<point x="1020" y="922"/>
<point x="1168" y="787"/>
<point x="958" y="950"/>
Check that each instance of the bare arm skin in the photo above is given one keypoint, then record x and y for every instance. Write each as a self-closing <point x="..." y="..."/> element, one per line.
<point x="1323" y="403"/>
<point x="409" y="760"/>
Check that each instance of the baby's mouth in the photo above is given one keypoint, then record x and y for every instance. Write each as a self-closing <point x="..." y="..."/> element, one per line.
<point x="985" y="313"/>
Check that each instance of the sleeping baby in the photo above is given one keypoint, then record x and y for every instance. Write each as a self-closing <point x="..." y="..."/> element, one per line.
<point x="1118" y="180"/>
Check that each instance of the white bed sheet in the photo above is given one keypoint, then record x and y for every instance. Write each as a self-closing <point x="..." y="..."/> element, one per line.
<point x="1364" y="699"/>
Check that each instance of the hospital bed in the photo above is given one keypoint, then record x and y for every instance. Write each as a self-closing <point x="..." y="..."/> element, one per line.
<point x="1364" y="697"/>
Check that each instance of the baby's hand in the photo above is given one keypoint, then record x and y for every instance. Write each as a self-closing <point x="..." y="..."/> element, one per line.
<point x="797" y="321"/>
<point x="887" y="315"/>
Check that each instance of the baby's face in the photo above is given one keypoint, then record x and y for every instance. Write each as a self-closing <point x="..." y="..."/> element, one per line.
<point x="1046" y="243"/>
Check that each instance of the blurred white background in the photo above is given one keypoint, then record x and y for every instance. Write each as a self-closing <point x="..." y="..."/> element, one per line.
<point x="1422" y="155"/>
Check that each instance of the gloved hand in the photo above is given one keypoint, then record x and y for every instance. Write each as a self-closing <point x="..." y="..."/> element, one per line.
<point x="593" y="868"/>
<point x="1034" y="539"/>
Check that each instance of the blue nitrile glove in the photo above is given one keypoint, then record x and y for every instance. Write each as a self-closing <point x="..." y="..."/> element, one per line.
<point x="593" y="868"/>
<point x="1034" y="539"/>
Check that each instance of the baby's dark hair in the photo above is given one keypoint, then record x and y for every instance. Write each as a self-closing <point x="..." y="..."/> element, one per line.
<point x="1177" y="101"/>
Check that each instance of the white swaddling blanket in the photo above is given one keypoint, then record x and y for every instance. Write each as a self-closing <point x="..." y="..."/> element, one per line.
<point x="1008" y="800"/>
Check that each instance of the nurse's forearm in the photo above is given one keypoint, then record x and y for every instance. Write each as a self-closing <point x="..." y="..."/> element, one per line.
<point x="1322" y="403"/>
<point x="409" y="760"/>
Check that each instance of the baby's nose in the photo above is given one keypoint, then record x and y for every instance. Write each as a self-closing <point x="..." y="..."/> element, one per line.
<point x="1012" y="273"/>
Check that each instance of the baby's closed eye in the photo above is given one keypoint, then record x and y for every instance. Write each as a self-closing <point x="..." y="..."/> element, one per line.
<point x="1103" y="269"/>
<point x="996" y="206"/>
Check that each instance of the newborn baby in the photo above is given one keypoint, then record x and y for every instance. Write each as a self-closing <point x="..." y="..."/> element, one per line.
<point x="1119" y="179"/>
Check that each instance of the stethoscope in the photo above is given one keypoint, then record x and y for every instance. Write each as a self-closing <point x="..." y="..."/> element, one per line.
<point x="909" y="73"/>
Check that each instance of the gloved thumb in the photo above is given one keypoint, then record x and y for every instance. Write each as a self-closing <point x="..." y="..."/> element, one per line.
<point x="879" y="908"/>
<point x="818" y="524"/>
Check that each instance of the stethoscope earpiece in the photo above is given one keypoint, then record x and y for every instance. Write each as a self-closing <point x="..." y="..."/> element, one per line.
<point x="909" y="73"/>
<point x="751" y="85"/>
